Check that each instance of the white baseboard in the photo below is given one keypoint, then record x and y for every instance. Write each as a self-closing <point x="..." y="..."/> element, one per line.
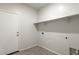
<point x="50" y="50"/>
<point x="28" y="47"/>
<point x="42" y="47"/>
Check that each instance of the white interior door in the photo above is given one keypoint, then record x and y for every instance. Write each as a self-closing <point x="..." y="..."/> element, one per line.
<point x="8" y="32"/>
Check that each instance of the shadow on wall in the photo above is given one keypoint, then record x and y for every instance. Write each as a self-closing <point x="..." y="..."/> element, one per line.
<point x="63" y="25"/>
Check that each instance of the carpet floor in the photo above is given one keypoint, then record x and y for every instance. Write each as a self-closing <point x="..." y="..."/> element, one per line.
<point x="35" y="51"/>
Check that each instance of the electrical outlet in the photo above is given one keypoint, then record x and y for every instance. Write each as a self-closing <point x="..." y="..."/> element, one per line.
<point x="73" y="51"/>
<point x="77" y="52"/>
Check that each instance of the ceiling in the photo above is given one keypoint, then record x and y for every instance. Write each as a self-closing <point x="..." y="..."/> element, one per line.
<point x="37" y="6"/>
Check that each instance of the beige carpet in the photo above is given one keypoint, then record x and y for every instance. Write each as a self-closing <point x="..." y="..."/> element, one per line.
<point x="35" y="51"/>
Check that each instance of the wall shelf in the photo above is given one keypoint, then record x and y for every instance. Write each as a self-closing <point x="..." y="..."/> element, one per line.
<point x="65" y="17"/>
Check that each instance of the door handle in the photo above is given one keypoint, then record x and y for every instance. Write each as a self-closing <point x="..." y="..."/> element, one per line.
<point x="17" y="34"/>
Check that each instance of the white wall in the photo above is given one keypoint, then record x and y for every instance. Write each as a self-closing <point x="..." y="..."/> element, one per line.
<point x="58" y="10"/>
<point x="8" y="29"/>
<point x="26" y="16"/>
<point x="55" y="33"/>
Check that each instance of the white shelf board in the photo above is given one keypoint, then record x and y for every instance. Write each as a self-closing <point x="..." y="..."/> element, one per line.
<point x="54" y="19"/>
